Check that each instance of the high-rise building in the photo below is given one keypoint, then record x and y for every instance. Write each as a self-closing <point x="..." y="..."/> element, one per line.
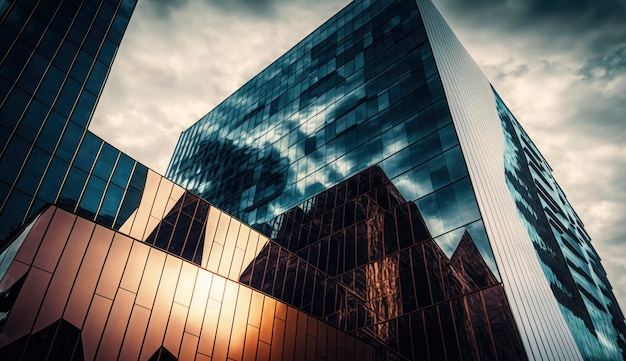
<point x="385" y="86"/>
<point x="374" y="199"/>
<point x="54" y="59"/>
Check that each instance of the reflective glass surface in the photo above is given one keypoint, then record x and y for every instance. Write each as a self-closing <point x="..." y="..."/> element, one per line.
<point x="55" y="57"/>
<point x="563" y="247"/>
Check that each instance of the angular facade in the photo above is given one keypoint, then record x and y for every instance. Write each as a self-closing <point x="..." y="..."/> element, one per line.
<point x="55" y="58"/>
<point x="384" y="86"/>
<point x="75" y="290"/>
<point x="371" y="198"/>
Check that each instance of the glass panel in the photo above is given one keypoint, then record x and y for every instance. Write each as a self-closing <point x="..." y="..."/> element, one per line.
<point x="150" y="280"/>
<point x="65" y="274"/>
<point x="175" y="327"/>
<point x="225" y="325"/>
<point x="135" y="333"/>
<point x="54" y="241"/>
<point x="162" y="304"/>
<point x="94" y="325"/>
<point x="84" y="287"/>
<point x="24" y="310"/>
<point x="116" y="326"/>
<point x="114" y="266"/>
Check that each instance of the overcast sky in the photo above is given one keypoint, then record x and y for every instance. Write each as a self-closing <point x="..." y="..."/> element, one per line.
<point x="560" y="65"/>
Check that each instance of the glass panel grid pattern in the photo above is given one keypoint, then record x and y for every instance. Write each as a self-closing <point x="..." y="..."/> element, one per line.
<point x="55" y="59"/>
<point x="188" y="313"/>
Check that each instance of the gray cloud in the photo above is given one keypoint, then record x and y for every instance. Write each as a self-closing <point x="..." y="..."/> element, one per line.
<point x="606" y="66"/>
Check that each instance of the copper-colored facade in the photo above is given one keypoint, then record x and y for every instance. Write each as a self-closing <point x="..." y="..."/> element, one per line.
<point x="74" y="290"/>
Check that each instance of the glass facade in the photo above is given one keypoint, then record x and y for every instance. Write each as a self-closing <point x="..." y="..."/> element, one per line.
<point x="55" y="58"/>
<point x="362" y="211"/>
<point x="384" y="86"/>
<point x="106" y="296"/>
<point x="559" y="237"/>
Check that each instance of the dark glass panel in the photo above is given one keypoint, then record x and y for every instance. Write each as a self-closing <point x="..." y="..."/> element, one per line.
<point x="33" y="170"/>
<point x="129" y="205"/>
<point x="91" y="198"/>
<point x="49" y="87"/>
<point x="33" y="73"/>
<point x="106" y="160"/>
<point x="88" y="151"/>
<point x="123" y="169"/>
<point x="51" y="132"/>
<point x="69" y="142"/>
<point x="67" y="98"/>
<point x="51" y="183"/>
<point x="32" y="120"/>
<point x="110" y="205"/>
<point x="19" y="54"/>
<point x="84" y="108"/>
<point x="97" y="77"/>
<point x="13" y="108"/>
<point x="13" y="158"/>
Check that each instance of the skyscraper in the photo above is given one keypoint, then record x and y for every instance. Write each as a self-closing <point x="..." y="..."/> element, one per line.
<point x="55" y="58"/>
<point x="377" y="200"/>
<point x="386" y="84"/>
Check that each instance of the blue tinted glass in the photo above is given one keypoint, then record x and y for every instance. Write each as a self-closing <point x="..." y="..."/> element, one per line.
<point x="72" y="188"/>
<point x="138" y="179"/>
<point x="96" y="78"/>
<point x="32" y="120"/>
<point x="53" y="179"/>
<point x="64" y="17"/>
<point x="81" y="66"/>
<point x="106" y="161"/>
<point x="33" y="73"/>
<point x="118" y="27"/>
<point x="19" y="55"/>
<point x="6" y="33"/>
<point x="93" y="41"/>
<point x="13" y="158"/>
<point x="92" y="196"/>
<point x="69" y="142"/>
<point x="83" y="108"/>
<point x="33" y="170"/>
<point x="130" y="204"/>
<point x="51" y="132"/>
<point x="13" y="107"/>
<point x="105" y="15"/>
<point x="50" y="85"/>
<point x="65" y="56"/>
<point x="14" y="212"/>
<point x="111" y="203"/>
<point x="66" y="100"/>
<point x="50" y="43"/>
<point x="124" y="167"/>
<point x="87" y="153"/>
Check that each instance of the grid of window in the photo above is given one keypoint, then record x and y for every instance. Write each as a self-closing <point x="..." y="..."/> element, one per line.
<point x="361" y="90"/>
<point x="104" y="296"/>
<point x="55" y="59"/>
<point x="571" y="265"/>
<point x="360" y="257"/>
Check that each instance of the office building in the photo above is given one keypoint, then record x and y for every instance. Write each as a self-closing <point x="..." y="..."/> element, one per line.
<point x="386" y="85"/>
<point x="55" y="58"/>
<point x="371" y="197"/>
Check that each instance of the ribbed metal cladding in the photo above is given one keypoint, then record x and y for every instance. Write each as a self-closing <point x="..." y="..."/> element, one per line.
<point x="472" y="105"/>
